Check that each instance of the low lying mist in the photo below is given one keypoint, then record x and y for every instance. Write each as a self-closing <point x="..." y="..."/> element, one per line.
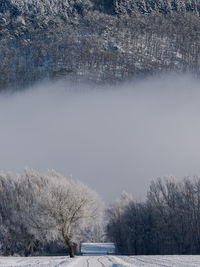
<point x="111" y="138"/>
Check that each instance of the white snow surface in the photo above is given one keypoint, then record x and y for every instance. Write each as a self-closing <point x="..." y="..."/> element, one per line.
<point x="103" y="261"/>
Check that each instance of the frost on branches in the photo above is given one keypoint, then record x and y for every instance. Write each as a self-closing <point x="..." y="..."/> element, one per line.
<point x="37" y="209"/>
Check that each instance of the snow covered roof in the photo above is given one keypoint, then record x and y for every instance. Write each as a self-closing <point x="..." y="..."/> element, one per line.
<point x="97" y="248"/>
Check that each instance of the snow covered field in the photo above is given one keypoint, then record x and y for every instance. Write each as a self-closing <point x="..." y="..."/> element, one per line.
<point x="102" y="261"/>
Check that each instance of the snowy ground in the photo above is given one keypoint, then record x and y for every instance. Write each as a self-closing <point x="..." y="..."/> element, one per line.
<point x="103" y="261"/>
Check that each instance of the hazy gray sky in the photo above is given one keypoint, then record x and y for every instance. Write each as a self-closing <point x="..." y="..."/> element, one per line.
<point x="113" y="139"/>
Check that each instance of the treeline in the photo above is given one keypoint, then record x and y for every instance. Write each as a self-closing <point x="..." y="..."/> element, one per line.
<point x="103" y="41"/>
<point x="44" y="214"/>
<point x="168" y="222"/>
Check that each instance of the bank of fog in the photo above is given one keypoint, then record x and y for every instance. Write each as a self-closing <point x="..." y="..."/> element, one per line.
<point x="117" y="138"/>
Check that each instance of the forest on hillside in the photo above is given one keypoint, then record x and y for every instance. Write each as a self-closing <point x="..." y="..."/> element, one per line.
<point x="101" y="41"/>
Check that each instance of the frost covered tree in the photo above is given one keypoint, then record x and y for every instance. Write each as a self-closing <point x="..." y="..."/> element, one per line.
<point x="66" y="208"/>
<point x="17" y="195"/>
<point x="36" y="209"/>
<point x="167" y="222"/>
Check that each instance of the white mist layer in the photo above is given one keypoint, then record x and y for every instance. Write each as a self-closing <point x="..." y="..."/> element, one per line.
<point x="113" y="139"/>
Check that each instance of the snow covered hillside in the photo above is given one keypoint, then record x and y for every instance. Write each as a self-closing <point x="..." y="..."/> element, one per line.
<point x="103" y="261"/>
<point x="102" y="41"/>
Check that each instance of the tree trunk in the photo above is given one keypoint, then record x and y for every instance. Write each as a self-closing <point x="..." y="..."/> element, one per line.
<point x="70" y="247"/>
